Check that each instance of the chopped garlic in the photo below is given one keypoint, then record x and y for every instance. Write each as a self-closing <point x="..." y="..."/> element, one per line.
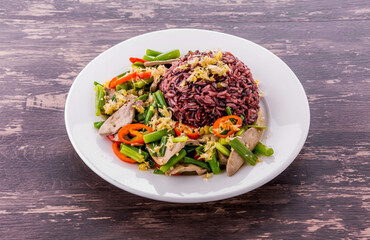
<point x="112" y="106"/>
<point x="207" y="176"/>
<point x="208" y="67"/>
<point x="208" y="150"/>
<point x="140" y="109"/>
<point x="170" y="142"/>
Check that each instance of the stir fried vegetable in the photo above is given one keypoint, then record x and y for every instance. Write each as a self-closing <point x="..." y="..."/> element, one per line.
<point x="152" y="53"/>
<point x="175" y="159"/>
<point x="243" y="151"/>
<point x="226" y="126"/>
<point x="214" y="164"/>
<point x="99" y="99"/>
<point x="132" y="129"/>
<point x="131" y="153"/>
<point x="135" y="60"/>
<point x="116" y="150"/>
<point x="155" y="136"/>
<point x="98" y="124"/>
<point x="263" y="149"/>
<point x="151" y="134"/>
<point x="197" y="162"/>
<point x="168" y="55"/>
<point x="190" y="131"/>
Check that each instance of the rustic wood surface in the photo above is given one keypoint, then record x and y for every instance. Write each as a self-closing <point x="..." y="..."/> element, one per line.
<point x="47" y="192"/>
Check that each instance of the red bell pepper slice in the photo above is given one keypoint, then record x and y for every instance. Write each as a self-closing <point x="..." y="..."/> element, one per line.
<point x="134" y="60"/>
<point x="116" y="148"/>
<point x="225" y="124"/>
<point x="132" y="130"/>
<point x="190" y="131"/>
<point x="114" y="82"/>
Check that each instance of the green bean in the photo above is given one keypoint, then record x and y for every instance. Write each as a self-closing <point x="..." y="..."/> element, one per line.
<point x="152" y="146"/>
<point x="175" y="159"/>
<point x="140" y="117"/>
<point x="180" y="139"/>
<point x="243" y="151"/>
<point x="138" y="64"/>
<point x="122" y="74"/>
<point x="125" y="86"/>
<point x="131" y="153"/>
<point x="222" y="149"/>
<point x="149" y="115"/>
<point x="241" y="131"/>
<point x="141" y="83"/>
<point x="223" y="141"/>
<point x="151" y="163"/>
<point x="138" y="150"/>
<point x="153" y="53"/>
<point x="155" y="136"/>
<point x="142" y="97"/>
<point x="158" y="96"/>
<point x="168" y="55"/>
<point x="196" y="162"/>
<point x="147" y="58"/>
<point x="157" y="171"/>
<point x="263" y="149"/>
<point x="163" y="146"/>
<point x="98" y="124"/>
<point x="214" y="164"/>
<point x="99" y="99"/>
<point x="242" y="117"/>
<point x="96" y="83"/>
<point x="228" y="110"/>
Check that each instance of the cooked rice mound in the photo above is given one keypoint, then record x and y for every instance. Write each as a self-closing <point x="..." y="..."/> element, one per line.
<point x="200" y="86"/>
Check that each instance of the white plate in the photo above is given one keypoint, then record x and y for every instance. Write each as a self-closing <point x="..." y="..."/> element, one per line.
<point x="285" y="104"/>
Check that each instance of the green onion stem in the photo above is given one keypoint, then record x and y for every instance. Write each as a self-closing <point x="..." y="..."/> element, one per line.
<point x="214" y="164"/>
<point x="197" y="162"/>
<point x="263" y="149"/>
<point x="222" y="149"/>
<point x="98" y="124"/>
<point x="131" y="153"/>
<point x="180" y="139"/>
<point x="175" y="159"/>
<point x="153" y="53"/>
<point x="155" y="136"/>
<point x="228" y="110"/>
<point x="243" y="151"/>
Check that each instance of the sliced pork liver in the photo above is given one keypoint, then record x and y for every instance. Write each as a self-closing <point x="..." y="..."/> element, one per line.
<point x="250" y="139"/>
<point x="120" y="118"/>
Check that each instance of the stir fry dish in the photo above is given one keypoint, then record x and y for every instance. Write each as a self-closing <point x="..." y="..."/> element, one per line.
<point x="196" y="114"/>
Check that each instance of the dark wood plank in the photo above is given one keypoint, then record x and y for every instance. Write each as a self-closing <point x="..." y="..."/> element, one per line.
<point x="46" y="191"/>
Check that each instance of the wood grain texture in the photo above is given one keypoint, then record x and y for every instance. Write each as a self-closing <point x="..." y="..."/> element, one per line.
<point x="46" y="191"/>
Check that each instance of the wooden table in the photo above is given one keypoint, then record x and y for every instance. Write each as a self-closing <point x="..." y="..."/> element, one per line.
<point x="47" y="192"/>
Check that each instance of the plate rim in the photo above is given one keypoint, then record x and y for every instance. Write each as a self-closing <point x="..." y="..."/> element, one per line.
<point x="189" y="199"/>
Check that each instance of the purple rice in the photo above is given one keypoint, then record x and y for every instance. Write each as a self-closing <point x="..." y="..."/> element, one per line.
<point x="202" y="103"/>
